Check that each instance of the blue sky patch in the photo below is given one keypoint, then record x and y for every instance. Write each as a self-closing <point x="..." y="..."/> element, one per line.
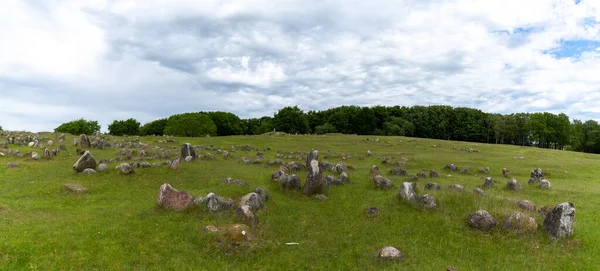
<point x="573" y="48"/>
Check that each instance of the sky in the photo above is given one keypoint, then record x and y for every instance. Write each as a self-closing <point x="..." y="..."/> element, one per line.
<point x="108" y="60"/>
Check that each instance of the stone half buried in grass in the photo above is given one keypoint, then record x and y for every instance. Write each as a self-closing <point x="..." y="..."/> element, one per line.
<point x="481" y="220"/>
<point x="432" y="186"/>
<point x="237" y="234"/>
<point x="390" y="254"/>
<point x="427" y="202"/>
<point x="246" y="215"/>
<point x="526" y="205"/>
<point x="381" y="182"/>
<point x="513" y="185"/>
<point x="489" y="182"/>
<point x="76" y="188"/>
<point x="456" y="187"/>
<point x="172" y="199"/>
<point x="478" y="191"/>
<point x="519" y="222"/>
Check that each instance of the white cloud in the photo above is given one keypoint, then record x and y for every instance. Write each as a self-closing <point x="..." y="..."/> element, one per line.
<point x="107" y="59"/>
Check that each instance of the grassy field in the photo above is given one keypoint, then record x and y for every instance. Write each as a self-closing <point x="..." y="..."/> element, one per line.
<point x="117" y="224"/>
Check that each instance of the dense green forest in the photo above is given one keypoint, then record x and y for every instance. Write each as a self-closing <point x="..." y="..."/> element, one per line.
<point x="544" y="130"/>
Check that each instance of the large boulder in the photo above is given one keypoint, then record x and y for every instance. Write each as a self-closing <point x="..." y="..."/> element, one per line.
<point x="85" y="141"/>
<point x="481" y="220"/>
<point x="390" y="254"/>
<point x="170" y="198"/>
<point x="188" y="150"/>
<point x="85" y="161"/>
<point x="314" y="180"/>
<point x="560" y="221"/>
<point x="407" y="192"/>
<point x="519" y="222"/>
<point x="382" y="182"/>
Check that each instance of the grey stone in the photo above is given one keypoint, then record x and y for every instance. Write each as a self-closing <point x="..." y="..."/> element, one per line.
<point x="245" y="214"/>
<point x="513" y="185"/>
<point x="12" y="165"/>
<point x="519" y="223"/>
<point x="382" y="182"/>
<point x="88" y="171"/>
<point x="559" y="223"/>
<point x="85" y="161"/>
<point x="102" y="168"/>
<point x="189" y="158"/>
<point x="427" y="202"/>
<point x="216" y="203"/>
<point x="456" y="187"/>
<point x="125" y="168"/>
<point x="314" y="180"/>
<point x="188" y="150"/>
<point x="407" y="192"/>
<point x="481" y="220"/>
<point x="291" y="182"/>
<point x="35" y="156"/>
<point x="85" y="141"/>
<point x="264" y="196"/>
<point x="253" y="200"/>
<point x="313" y="155"/>
<point x="479" y="191"/>
<point x="526" y="205"/>
<point x="390" y="254"/>
<point x="489" y="182"/>
<point x="545" y="184"/>
<point x="432" y="186"/>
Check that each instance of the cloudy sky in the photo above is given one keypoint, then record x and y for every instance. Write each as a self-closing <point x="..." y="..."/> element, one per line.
<point x="115" y="59"/>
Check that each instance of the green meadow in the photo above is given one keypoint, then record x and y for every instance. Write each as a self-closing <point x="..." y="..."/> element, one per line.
<point x="117" y="224"/>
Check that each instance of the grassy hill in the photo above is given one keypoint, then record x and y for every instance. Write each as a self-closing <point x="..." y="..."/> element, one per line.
<point x="117" y="224"/>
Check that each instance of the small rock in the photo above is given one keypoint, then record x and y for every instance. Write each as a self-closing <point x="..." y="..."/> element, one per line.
<point x="372" y="211"/>
<point x="489" y="182"/>
<point x="102" y="168"/>
<point x="88" y="171"/>
<point x="291" y="182"/>
<point x="237" y="234"/>
<point x="382" y="182"/>
<point x="479" y="191"/>
<point x="125" y="168"/>
<point x="427" y="202"/>
<point x="321" y="197"/>
<point x="432" y="186"/>
<point x="216" y="203"/>
<point x="433" y="174"/>
<point x="390" y="254"/>
<point x="513" y="185"/>
<point x="77" y="188"/>
<point x="519" y="222"/>
<point x="545" y="184"/>
<point x="481" y="220"/>
<point x="526" y="205"/>
<point x="211" y="228"/>
<point x="189" y="158"/>
<point x="230" y="180"/>
<point x="456" y="187"/>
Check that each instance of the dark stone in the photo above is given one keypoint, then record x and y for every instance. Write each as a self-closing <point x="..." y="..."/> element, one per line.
<point x="84" y="141"/>
<point x="432" y="186"/>
<point x="314" y="180"/>
<point x="513" y="185"/>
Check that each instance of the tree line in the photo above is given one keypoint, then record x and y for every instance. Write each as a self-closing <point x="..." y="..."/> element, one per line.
<point x="544" y="130"/>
